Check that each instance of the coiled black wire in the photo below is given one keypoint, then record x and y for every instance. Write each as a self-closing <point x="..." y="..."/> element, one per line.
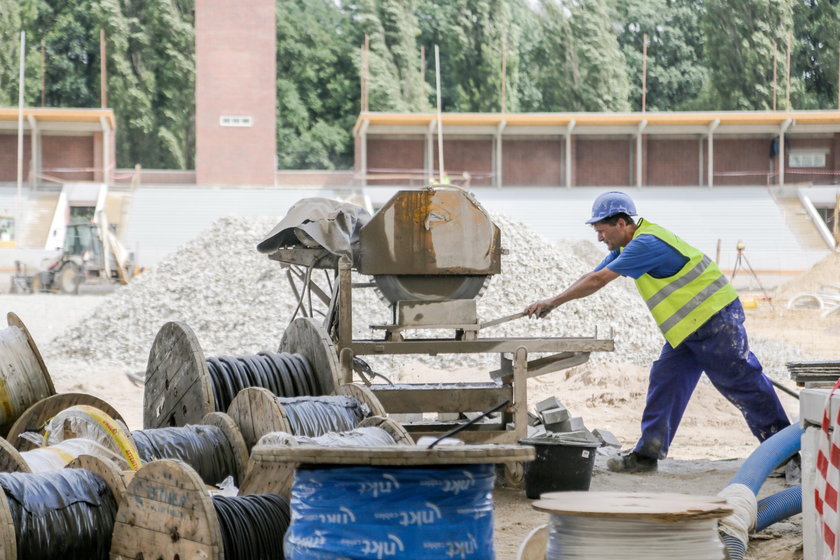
<point x="204" y="448"/>
<point x="253" y="526"/>
<point x="284" y="374"/>
<point x="316" y="416"/>
<point x="67" y="514"/>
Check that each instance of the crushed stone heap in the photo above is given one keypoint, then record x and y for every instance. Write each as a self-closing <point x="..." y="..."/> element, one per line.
<point x="239" y="302"/>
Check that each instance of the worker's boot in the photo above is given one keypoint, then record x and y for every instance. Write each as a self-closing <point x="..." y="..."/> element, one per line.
<point x="632" y="462"/>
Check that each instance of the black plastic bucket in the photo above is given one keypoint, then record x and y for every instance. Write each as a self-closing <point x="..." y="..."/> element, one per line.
<point x="560" y="464"/>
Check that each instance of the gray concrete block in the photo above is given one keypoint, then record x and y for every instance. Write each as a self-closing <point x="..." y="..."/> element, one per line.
<point x="549" y="403"/>
<point x="576" y="424"/>
<point x="554" y="415"/>
<point x="533" y="419"/>
<point x="536" y="431"/>
<point x="606" y="438"/>
<point x="559" y="427"/>
<point x="448" y="416"/>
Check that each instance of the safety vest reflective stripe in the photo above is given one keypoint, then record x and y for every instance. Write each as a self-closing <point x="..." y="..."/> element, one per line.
<point x="698" y="269"/>
<point x="682" y="303"/>
<point x="692" y="304"/>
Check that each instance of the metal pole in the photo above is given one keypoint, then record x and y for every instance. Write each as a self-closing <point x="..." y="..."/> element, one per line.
<point x="439" y="116"/>
<point x="644" y="71"/>
<point x="787" y="102"/>
<point x="775" y="56"/>
<point x="20" y="135"/>
<point x="103" y="70"/>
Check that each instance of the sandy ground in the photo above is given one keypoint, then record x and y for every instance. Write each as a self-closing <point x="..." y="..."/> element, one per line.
<point x="710" y="446"/>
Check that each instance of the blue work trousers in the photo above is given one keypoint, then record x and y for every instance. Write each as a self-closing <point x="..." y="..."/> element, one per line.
<point x="719" y="348"/>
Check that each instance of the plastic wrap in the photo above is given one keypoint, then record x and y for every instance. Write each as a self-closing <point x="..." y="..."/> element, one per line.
<point x="371" y="436"/>
<point x="84" y="421"/>
<point x="396" y="513"/>
<point x="316" y="416"/>
<point x="54" y="457"/>
<point x="67" y="514"/>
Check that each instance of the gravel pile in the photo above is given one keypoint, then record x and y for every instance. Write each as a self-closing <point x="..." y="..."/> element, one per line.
<point x="239" y="302"/>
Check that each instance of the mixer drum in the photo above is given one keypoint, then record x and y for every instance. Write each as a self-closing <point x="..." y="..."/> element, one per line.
<point x="431" y="244"/>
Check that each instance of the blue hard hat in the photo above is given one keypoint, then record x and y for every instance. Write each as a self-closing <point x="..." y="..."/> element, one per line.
<point x="609" y="204"/>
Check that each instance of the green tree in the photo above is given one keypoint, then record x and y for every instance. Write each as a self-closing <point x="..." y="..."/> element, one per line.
<point x="595" y="71"/>
<point x="155" y="84"/>
<point x="741" y="36"/>
<point x="675" y="70"/>
<point x="817" y="32"/>
<point x="470" y="35"/>
<point x="317" y="84"/>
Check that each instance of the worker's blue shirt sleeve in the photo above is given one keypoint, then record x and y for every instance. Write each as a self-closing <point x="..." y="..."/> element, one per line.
<point x="646" y="254"/>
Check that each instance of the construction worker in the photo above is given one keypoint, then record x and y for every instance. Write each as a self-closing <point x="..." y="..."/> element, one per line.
<point x="699" y="314"/>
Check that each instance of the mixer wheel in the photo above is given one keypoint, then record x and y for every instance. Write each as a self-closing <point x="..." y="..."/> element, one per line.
<point x="429" y="287"/>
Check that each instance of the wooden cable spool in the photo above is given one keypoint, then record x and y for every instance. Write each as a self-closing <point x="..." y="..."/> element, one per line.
<point x="167" y="513"/>
<point x="264" y="475"/>
<point x="104" y="469"/>
<point x="257" y="411"/>
<point x="648" y="509"/>
<point x="21" y="389"/>
<point x="178" y="388"/>
<point x="37" y="415"/>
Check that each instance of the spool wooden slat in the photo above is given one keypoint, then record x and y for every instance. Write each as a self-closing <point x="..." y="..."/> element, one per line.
<point x="307" y="337"/>
<point x="8" y="539"/>
<point x="106" y="470"/>
<point x="396" y="431"/>
<point x="166" y="513"/>
<point x="31" y="393"/>
<point x="234" y="438"/>
<point x="401" y="455"/>
<point x="11" y="460"/>
<point x="177" y="389"/>
<point x="632" y="505"/>
<point x="256" y="412"/>
<point x="363" y="395"/>
<point x="40" y="413"/>
<point x="265" y="475"/>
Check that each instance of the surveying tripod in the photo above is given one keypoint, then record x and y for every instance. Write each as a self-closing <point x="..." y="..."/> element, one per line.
<point x="740" y="261"/>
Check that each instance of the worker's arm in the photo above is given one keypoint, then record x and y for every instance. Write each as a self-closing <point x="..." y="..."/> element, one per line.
<point x="584" y="286"/>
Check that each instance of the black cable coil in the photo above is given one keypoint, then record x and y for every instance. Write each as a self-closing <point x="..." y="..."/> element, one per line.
<point x="67" y="514"/>
<point x="284" y="374"/>
<point x="204" y="448"/>
<point x="253" y="526"/>
<point x="316" y="416"/>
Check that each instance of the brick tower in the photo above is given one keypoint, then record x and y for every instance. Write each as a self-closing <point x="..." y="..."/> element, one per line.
<point x="235" y="92"/>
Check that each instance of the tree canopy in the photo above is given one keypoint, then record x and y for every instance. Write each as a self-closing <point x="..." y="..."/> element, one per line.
<point x="557" y="55"/>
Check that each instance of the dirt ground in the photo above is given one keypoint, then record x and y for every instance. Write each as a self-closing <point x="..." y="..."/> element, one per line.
<point x="710" y="446"/>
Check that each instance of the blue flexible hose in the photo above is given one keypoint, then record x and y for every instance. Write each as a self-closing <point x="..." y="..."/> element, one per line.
<point x="772" y="452"/>
<point x="778" y="506"/>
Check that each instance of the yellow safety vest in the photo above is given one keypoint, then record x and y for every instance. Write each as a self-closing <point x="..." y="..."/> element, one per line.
<point x="681" y="303"/>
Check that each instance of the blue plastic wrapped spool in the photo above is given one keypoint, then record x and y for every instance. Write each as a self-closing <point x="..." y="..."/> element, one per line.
<point x="378" y="513"/>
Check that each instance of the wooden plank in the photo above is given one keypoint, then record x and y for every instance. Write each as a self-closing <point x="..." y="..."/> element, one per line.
<point x="481" y="345"/>
<point x="441" y="397"/>
<point x="166" y="513"/>
<point x="34" y="417"/>
<point x="413" y="455"/>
